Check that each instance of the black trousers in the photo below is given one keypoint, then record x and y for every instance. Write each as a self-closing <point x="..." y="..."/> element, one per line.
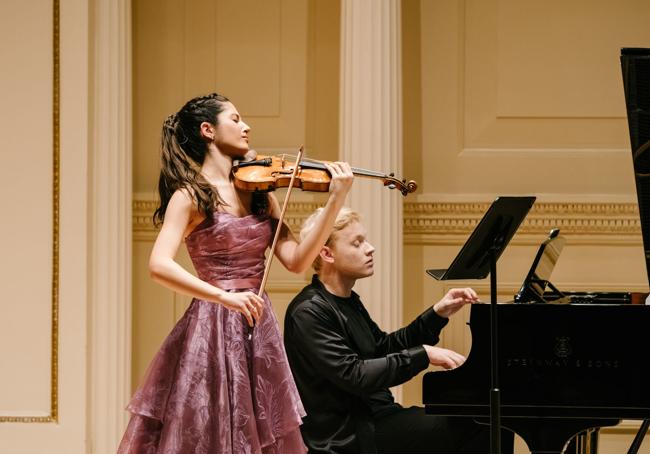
<point x="411" y="431"/>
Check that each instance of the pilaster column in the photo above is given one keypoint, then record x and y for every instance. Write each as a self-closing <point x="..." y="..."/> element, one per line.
<point x="371" y="137"/>
<point x="109" y="224"/>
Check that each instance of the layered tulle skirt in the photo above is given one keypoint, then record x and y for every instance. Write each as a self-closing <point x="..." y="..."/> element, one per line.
<point x="212" y="390"/>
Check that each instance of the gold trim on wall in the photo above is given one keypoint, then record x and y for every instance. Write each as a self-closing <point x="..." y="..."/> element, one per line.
<point x="54" y="365"/>
<point x="451" y="222"/>
<point x="581" y="222"/>
<point x="54" y="415"/>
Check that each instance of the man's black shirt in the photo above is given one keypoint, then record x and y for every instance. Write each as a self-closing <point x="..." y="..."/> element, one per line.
<point x="344" y="364"/>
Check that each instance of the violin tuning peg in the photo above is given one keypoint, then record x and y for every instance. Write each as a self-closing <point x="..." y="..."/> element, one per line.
<point x="403" y="181"/>
<point x="392" y="174"/>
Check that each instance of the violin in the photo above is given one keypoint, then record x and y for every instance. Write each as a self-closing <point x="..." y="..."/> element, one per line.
<point x="268" y="173"/>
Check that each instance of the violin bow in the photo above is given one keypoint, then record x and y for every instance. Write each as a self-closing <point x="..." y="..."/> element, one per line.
<point x="279" y="227"/>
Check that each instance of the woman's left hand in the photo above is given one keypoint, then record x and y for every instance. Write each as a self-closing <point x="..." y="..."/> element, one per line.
<point x="342" y="178"/>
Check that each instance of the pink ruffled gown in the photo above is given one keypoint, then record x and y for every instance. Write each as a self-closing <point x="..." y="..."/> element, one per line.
<point x="209" y="389"/>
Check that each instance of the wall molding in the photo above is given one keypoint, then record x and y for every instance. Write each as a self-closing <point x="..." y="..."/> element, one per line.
<point x="451" y="222"/>
<point x="581" y="222"/>
<point x="53" y="415"/>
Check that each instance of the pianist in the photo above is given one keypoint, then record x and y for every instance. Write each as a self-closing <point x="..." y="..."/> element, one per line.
<point x="344" y="364"/>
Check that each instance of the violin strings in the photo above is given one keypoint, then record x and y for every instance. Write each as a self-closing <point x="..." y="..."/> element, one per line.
<point x="320" y="165"/>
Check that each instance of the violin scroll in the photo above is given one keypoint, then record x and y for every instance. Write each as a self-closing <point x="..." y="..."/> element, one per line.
<point x="404" y="187"/>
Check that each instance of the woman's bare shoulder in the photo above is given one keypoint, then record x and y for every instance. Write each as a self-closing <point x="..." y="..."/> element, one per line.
<point x="183" y="206"/>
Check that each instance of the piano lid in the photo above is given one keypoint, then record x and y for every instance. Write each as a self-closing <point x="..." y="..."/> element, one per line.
<point x="635" y="64"/>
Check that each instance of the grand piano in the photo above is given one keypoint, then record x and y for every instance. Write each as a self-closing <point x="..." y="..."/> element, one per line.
<point x="561" y="369"/>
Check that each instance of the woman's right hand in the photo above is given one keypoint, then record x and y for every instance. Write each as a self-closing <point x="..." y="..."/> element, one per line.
<point x="342" y="178"/>
<point x="248" y="303"/>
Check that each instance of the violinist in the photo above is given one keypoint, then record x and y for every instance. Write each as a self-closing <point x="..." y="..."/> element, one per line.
<point x="343" y="363"/>
<point x="211" y="388"/>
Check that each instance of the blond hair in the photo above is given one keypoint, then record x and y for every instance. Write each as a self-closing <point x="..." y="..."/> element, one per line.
<point x="345" y="217"/>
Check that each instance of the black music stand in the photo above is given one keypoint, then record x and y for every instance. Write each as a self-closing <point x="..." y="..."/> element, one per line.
<point x="476" y="260"/>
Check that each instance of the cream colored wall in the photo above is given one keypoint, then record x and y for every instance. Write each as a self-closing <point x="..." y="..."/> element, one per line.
<point x="43" y="383"/>
<point x="31" y="248"/>
<point x="500" y="97"/>
<point x="268" y="64"/>
<point x="512" y="85"/>
<point x="65" y="155"/>
<point x="520" y="97"/>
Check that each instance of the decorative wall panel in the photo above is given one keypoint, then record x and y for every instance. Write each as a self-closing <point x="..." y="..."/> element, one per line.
<point x="29" y="233"/>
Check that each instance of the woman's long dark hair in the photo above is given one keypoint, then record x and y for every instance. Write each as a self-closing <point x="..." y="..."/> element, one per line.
<point x="183" y="152"/>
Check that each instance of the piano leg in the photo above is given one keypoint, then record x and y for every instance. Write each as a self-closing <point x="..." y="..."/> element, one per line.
<point x="584" y="443"/>
<point x="552" y="435"/>
<point x="587" y="442"/>
<point x="636" y="444"/>
<point x="593" y="445"/>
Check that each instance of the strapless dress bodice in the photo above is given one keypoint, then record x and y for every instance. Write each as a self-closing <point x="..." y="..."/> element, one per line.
<point x="228" y="251"/>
